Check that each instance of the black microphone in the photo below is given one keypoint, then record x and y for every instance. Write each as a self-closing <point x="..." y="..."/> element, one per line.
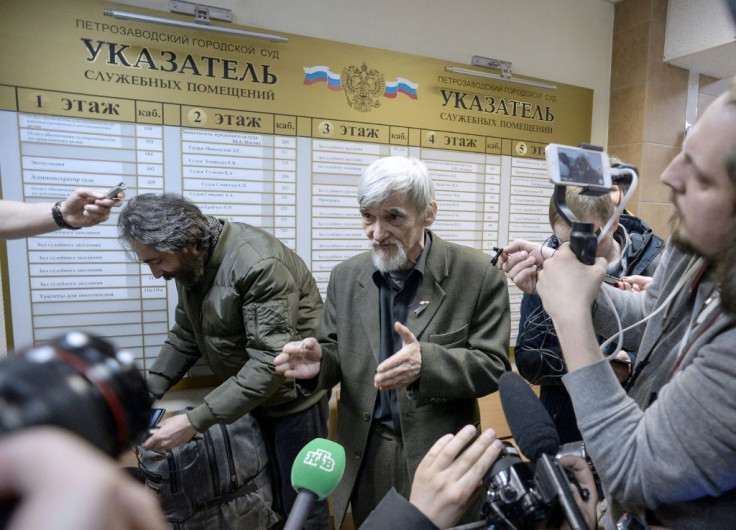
<point x="530" y="424"/>
<point x="536" y="436"/>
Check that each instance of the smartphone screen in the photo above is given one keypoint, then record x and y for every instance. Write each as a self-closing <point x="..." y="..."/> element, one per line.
<point x="156" y="415"/>
<point x="577" y="166"/>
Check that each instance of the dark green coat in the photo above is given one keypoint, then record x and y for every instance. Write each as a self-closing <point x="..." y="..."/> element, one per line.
<point x="256" y="295"/>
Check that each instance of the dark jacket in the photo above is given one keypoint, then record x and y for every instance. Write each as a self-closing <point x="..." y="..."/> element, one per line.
<point x="537" y="352"/>
<point x="642" y="255"/>
<point x="394" y="511"/>
<point x="256" y="295"/>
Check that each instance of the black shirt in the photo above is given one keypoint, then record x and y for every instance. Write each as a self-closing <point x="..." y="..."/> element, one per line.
<point x="396" y="293"/>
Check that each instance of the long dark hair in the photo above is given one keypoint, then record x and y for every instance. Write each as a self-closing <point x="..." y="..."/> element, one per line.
<point x="726" y="269"/>
<point x="165" y="223"/>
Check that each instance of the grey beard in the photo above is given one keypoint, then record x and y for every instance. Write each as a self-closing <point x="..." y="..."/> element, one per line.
<point x="392" y="264"/>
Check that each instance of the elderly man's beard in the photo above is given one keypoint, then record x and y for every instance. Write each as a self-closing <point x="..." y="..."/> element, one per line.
<point x="395" y="261"/>
<point x="190" y="271"/>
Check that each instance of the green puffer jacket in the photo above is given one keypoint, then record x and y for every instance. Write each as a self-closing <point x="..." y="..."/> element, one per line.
<point x="256" y="295"/>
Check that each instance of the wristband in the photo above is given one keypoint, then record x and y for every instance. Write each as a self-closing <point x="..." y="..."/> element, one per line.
<point x="59" y="219"/>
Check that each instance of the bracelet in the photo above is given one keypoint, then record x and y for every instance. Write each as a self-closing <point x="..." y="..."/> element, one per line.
<point x="59" y="219"/>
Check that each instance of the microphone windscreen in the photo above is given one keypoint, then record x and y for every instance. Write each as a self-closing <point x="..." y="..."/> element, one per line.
<point x="318" y="467"/>
<point x="530" y="424"/>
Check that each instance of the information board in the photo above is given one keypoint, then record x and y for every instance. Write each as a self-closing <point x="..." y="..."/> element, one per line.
<point x="286" y="158"/>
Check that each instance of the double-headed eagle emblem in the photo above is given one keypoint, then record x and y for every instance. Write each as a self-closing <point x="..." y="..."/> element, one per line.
<point x="363" y="87"/>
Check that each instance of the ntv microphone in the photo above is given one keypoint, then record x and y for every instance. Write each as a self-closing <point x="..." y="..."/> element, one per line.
<point x="316" y="472"/>
<point x="536" y="436"/>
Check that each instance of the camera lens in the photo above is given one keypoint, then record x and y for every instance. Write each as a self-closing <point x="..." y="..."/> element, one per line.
<point x="80" y="383"/>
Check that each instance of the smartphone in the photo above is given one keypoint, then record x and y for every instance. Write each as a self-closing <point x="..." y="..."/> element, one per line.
<point x="610" y="280"/>
<point x="156" y="415"/>
<point x="575" y="166"/>
<point x="112" y="193"/>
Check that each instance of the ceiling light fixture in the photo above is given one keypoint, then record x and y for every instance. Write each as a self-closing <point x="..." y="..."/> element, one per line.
<point x="202" y="16"/>
<point x="504" y="66"/>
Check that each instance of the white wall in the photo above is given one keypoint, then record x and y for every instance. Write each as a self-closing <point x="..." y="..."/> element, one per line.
<point x="700" y="37"/>
<point x="567" y="41"/>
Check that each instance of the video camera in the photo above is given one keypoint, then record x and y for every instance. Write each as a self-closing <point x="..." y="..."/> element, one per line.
<point x="522" y="494"/>
<point x="519" y="494"/>
<point x="588" y="167"/>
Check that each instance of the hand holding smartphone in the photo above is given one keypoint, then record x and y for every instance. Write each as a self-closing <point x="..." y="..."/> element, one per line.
<point x="156" y="415"/>
<point x="112" y="193"/>
<point x="610" y="280"/>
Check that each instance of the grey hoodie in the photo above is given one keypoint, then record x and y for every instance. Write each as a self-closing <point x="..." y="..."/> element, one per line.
<point x="669" y="446"/>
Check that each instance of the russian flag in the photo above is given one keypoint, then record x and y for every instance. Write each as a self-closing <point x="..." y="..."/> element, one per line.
<point x="401" y="85"/>
<point x="317" y="74"/>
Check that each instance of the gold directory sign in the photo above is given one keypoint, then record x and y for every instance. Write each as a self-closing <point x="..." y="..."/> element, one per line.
<point x="74" y="48"/>
<point x="271" y="134"/>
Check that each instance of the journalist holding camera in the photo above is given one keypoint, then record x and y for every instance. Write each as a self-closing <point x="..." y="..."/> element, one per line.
<point x="59" y="428"/>
<point x="66" y="407"/>
<point x="449" y="476"/>
<point x="664" y="449"/>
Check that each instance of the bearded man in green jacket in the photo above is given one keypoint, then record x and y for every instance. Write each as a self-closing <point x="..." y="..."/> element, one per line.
<point x="242" y="296"/>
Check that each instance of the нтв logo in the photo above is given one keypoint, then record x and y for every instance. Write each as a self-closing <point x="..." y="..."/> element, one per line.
<point x="363" y="87"/>
<point x="321" y="459"/>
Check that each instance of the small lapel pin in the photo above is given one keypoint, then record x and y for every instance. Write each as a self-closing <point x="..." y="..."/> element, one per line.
<point x="421" y="307"/>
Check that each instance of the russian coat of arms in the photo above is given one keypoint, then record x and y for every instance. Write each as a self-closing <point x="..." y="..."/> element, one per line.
<point x="363" y="87"/>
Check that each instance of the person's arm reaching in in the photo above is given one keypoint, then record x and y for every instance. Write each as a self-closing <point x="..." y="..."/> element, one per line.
<point x="447" y="478"/>
<point x="84" y="207"/>
<point x="520" y="260"/>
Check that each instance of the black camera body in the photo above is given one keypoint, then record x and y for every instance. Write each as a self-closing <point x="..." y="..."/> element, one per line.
<point x="512" y="499"/>
<point x="80" y="383"/>
<point x="522" y="494"/>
